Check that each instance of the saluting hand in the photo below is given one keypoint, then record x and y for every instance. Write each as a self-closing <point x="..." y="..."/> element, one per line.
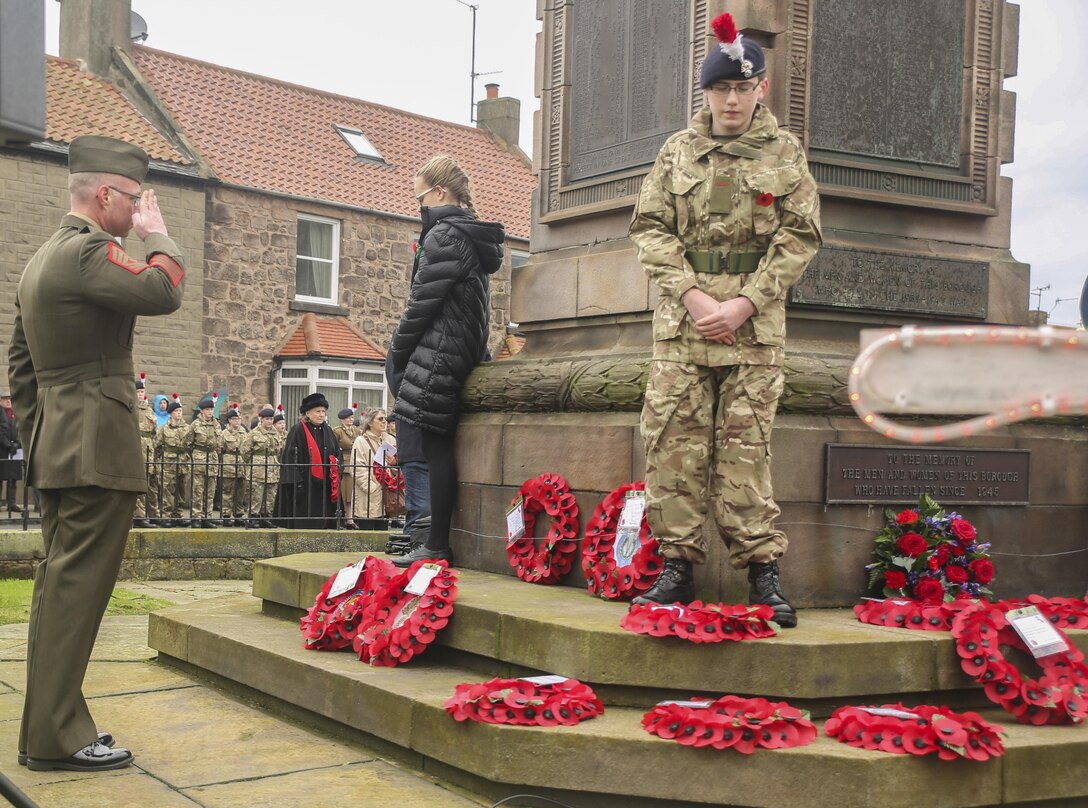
<point x="146" y="216"/>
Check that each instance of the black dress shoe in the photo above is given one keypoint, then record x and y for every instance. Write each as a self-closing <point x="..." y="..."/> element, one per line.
<point x="423" y="553"/>
<point x="104" y="740"/>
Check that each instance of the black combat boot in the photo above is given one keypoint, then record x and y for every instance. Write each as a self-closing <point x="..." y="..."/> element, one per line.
<point x="765" y="588"/>
<point x="674" y="584"/>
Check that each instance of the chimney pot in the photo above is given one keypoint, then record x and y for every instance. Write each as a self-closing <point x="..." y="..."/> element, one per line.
<point x="492" y="90"/>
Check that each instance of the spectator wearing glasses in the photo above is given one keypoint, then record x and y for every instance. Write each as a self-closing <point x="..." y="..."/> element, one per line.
<point x="726" y="222"/>
<point x="367" y="496"/>
<point x="442" y="334"/>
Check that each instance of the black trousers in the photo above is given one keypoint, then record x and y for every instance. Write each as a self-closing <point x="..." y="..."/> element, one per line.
<point x="442" y="470"/>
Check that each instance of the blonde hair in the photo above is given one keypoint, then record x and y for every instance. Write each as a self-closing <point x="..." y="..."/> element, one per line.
<point x="444" y="171"/>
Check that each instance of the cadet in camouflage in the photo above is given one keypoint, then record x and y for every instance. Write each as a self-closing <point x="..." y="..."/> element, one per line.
<point x="205" y="438"/>
<point x="726" y="222"/>
<point x="147" y="506"/>
<point x="174" y="455"/>
<point x="261" y="453"/>
<point x="234" y="471"/>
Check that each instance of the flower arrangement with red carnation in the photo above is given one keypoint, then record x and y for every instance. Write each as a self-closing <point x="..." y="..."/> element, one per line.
<point x="929" y="556"/>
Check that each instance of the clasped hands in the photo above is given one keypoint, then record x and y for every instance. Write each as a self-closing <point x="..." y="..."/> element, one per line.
<point x="717" y="321"/>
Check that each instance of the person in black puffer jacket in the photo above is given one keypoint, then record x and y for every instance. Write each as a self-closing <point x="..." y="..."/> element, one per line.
<point x="441" y="337"/>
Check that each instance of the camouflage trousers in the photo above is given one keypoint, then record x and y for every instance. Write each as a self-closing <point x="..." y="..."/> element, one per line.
<point x="262" y="496"/>
<point x="203" y="493"/>
<point x="234" y="497"/>
<point x="707" y="432"/>
<point x="147" y="505"/>
<point x="175" y="488"/>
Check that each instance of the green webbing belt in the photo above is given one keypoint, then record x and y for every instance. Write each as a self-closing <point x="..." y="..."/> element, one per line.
<point x="718" y="262"/>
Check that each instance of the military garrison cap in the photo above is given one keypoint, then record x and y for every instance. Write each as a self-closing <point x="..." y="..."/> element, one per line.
<point x="733" y="58"/>
<point x="106" y="155"/>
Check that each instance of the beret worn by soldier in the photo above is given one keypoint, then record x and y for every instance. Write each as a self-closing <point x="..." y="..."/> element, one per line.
<point x="277" y="417"/>
<point x="313" y="400"/>
<point x="173" y="405"/>
<point x="733" y="58"/>
<point x="266" y="412"/>
<point x="106" y="155"/>
<point x="347" y="412"/>
<point x="206" y="403"/>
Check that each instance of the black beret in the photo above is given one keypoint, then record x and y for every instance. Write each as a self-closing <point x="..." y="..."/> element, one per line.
<point x="266" y="412"/>
<point x="733" y="57"/>
<point x="347" y="412"/>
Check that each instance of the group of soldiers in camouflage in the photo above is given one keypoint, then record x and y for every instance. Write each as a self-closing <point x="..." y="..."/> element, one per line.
<point x="186" y="462"/>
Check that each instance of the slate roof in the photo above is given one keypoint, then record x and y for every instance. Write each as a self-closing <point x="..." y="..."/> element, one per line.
<point x="335" y="336"/>
<point x="267" y="134"/>
<point x="78" y="103"/>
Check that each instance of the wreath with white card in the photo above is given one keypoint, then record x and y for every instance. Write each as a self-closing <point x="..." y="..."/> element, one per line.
<point x="620" y="561"/>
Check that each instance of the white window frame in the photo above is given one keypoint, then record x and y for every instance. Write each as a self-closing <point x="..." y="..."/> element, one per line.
<point x="359" y="143"/>
<point x="334" y="292"/>
<point x="313" y="378"/>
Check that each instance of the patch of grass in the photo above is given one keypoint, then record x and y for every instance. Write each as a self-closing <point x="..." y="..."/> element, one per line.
<point x="15" y="601"/>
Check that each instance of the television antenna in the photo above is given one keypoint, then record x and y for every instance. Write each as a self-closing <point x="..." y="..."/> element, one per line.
<point x="473" y="75"/>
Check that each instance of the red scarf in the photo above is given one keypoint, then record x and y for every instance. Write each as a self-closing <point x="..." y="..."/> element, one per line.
<point x="317" y="464"/>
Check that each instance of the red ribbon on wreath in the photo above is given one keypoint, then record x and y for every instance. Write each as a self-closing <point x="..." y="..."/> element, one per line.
<point x="523" y="702"/>
<point x="332" y="622"/>
<point x="547" y="563"/>
<point x="401" y="625"/>
<point x="603" y="578"/>
<point x="389" y="479"/>
<point x="699" y="623"/>
<point x="731" y="722"/>
<point x="1058" y="696"/>
<point x="921" y="730"/>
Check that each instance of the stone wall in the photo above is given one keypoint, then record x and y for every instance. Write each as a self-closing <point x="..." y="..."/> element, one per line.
<point x="34" y="198"/>
<point x="250" y="261"/>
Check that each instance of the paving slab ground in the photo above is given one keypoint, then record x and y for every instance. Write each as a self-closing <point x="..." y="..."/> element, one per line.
<point x="194" y="745"/>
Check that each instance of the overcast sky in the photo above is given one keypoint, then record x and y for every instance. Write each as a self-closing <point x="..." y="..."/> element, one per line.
<point x="416" y="55"/>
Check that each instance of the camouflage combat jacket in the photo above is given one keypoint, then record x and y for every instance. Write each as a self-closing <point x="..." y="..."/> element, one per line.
<point x="205" y="438"/>
<point x="704" y="194"/>
<point x="261" y="450"/>
<point x="233" y="438"/>
<point x="148" y="430"/>
<point x="172" y="446"/>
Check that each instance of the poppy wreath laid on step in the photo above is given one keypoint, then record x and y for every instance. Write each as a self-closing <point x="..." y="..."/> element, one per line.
<point x="1058" y="696"/>
<point x="332" y="622"/>
<point x="603" y="578"/>
<point x="699" y="623"/>
<point x="921" y="730"/>
<point x="554" y="557"/>
<point x="731" y="722"/>
<point x="1064" y="613"/>
<point x="518" y="701"/>
<point x="400" y="624"/>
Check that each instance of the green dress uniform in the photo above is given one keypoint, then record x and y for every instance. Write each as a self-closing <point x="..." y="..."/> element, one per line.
<point x="147" y="507"/>
<point x="733" y="217"/>
<point x="70" y="368"/>
<point x="345" y="437"/>
<point x="234" y="473"/>
<point x="173" y="444"/>
<point x="261" y="452"/>
<point x="205" y="439"/>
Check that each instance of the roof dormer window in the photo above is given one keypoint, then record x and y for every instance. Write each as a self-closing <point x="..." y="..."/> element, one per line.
<point x="359" y="143"/>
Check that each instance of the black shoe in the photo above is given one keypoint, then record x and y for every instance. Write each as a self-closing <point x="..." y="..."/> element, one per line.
<point x="209" y="524"/>
<point x="764" y="588"/>
<point x="95" y="757"/>
<point x="15" y="509"/>
<point x="181" y="523"/>
<point x="674" y="584"/>
<point x="141" y="523"/>
<point x="267" y="523"/>
<point x="104" y="738"/>
<point x="423" y="553"/>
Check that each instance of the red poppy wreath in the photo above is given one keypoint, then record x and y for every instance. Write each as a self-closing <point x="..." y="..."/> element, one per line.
<point x="599" y="553"/>
<point x="1064" y="613"/>
<point x="731" y="722"/>
<point x="554" y="557"/>
<point x="699" y="623"/>
<point x="402" y="624"/>
<point x="1058" y="696"/>
<point x="332" y="622"/>
<point x="543" y="701"/>
<point x="922" y="730"/>
<point x="389" y="478"/>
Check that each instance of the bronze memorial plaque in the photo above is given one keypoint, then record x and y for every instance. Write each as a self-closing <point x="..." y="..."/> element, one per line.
<point x="859" y="279"/>
<point x="867" y="475"/>
<point x="629" y="82"/>
<point x="887" y="79"/>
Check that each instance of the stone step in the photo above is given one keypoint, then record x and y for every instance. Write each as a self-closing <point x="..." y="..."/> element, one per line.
<point x="828" y="660"/>
<point x="607" y="761"/>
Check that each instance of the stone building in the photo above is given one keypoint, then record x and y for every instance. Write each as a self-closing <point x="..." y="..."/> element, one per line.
<point x="302" y="203"/>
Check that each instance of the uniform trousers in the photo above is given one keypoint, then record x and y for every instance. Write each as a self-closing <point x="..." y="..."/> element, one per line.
<point x="84" y="530"/>
<point x="175" y="486"/>
<point x="262" y="496"/>
<point x="234" y="497"/>
<point x="203" y="491"/>
<point x="707" y="433"/>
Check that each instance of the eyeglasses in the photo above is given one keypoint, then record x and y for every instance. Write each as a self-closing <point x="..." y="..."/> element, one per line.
<point x="133" y="198"/>
<point x="739" y="89"/>
<point x="419" y="197"/>
<point x="381" y="418"/>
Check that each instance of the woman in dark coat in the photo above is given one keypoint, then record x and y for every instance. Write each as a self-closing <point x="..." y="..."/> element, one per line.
<point x="442" y="334"/>
<point x="309" y="470"/>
